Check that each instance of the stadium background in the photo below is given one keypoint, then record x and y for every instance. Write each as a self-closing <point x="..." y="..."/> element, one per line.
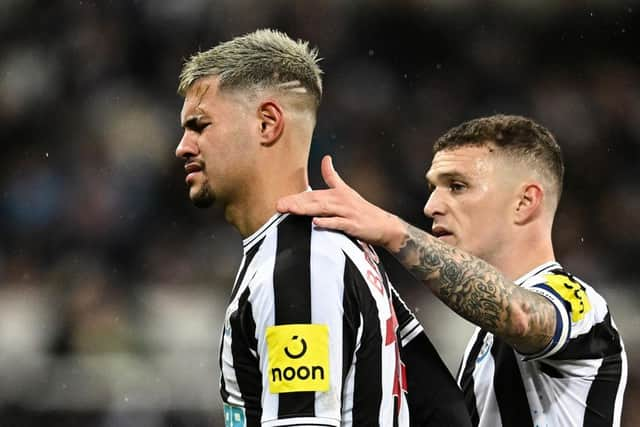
<point x="112" y="285"/>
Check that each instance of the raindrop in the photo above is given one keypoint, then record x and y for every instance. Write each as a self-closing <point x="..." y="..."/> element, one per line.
<point x="47" y="154"/>
<point x="438" y="66"/>
<point x="582" y="240"/>
<point x="126" y="398"/>
<point x="405" y="75"/>
<point x="371" y="52"/>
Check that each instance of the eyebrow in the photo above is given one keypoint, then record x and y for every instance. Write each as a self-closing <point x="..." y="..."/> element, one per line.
<point x="191" y="122"/>
<point x="445" y="176"/>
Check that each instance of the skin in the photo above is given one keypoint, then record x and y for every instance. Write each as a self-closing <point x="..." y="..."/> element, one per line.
<point x="494" y="225"/>
<point x="243" y="150"/>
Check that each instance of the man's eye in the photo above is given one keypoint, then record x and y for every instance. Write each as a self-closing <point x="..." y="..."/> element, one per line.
<point x="201" y="127"/>
<point x="456" y="187"/>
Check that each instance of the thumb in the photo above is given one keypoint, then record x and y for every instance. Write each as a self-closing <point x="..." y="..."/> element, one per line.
<point x="329" y="174"/>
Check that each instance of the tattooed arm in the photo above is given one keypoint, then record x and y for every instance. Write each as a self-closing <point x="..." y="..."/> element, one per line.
<point x="471" y="287"/>
<point x="476" y="290"/>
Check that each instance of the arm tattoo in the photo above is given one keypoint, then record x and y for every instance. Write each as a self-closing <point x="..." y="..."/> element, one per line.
<point x="477" y="291"/>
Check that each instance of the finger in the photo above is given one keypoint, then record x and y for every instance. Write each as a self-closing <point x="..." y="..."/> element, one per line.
<point x="311" y="203"/>
<point x="331" y="223"/>
<point x="329" y="174"/>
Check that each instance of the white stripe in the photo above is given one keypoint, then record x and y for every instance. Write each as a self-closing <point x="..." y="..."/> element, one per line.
<point x="302" y="421"/>
<point x="465" y="356"/>
<point x="486" y="400"/>
<point x="408" y="338"/>
<point x="327" y="288"/>
<point x="349" y="382"/>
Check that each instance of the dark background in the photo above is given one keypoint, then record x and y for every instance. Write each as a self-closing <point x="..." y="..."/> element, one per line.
<point x="112" y="285"/>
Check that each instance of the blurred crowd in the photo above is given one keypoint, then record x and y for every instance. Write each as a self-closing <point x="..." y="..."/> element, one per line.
<point x="112" y="285"/>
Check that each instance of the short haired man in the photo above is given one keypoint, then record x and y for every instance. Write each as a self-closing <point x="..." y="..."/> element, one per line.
<point x="546" y="351"/>
<point x="313" y="334"/>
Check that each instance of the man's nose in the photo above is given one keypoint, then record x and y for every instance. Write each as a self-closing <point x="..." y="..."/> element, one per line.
<point x="435" y="204"/>
<point x="187" y="147"/>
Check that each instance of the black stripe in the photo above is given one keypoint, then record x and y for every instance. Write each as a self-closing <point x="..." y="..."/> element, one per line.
<point x="467" y="383"/>
<point x="247" y="260"/>
<point x="433" y="395"/>
<point x="292" y="297"/>
<point x="367" y="391"/>
<point x="350" y="322"/>
<point x="601" y="341"/>
<point x="246" y="366"/>
<point x="602" y="395"/>
<point x="550" y="370"/>
<point x="223" y="386"/>
<point x="509" y="388"/>
<point x="403" y="313"/>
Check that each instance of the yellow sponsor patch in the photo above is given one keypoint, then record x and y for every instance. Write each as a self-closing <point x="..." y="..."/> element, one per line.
<point x="572" y="292"/>
<point x="298" y="358"/>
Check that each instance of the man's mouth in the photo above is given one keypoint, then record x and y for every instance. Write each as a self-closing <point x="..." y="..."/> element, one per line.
<point x="192" y="168"/>
<point x="439" y="231"/>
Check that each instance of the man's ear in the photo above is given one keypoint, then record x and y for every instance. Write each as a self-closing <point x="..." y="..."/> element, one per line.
<point x="529" y="203"/>
<point x="271" y="120"/>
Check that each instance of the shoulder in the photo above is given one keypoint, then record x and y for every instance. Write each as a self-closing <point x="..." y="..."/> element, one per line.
<point x="583" y="303"/>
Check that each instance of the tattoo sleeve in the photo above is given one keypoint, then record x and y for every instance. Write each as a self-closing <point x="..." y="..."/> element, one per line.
<point x="478" y="292"/>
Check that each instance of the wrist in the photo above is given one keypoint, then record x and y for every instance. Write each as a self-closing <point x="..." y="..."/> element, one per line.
<point x="395" y="235"/>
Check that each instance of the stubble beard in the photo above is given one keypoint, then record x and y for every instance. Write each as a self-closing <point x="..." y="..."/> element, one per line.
<point x="204" y="198"/>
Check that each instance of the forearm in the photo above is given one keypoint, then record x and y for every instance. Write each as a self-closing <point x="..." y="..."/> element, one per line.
<point x="476" y="290"/>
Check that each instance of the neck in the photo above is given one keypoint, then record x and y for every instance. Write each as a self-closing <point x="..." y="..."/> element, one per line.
<point x="257" y="202"/>
<point x="526" y="252"/>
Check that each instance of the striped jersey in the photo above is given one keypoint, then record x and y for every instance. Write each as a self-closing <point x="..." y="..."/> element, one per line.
<point x="577" y="380"/>
<point x="312" y="333"/>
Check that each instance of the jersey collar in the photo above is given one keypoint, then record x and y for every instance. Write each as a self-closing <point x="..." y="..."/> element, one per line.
<point x="549" y="265"/>
<point x="271" y="223"/>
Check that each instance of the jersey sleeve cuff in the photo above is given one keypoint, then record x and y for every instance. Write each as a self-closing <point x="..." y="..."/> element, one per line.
<point x="410" y="331"/>
<point x="563" y="324"/>
<point x="303" y="421"/>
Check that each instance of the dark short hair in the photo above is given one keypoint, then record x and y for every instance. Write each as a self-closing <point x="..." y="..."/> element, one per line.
<point x="518" y="136"/>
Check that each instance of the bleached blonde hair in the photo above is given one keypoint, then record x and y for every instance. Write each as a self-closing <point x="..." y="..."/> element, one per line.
<point x="263" y="59"/>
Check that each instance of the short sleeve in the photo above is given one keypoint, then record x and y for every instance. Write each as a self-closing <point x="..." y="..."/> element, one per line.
<point x="572" y="304"/>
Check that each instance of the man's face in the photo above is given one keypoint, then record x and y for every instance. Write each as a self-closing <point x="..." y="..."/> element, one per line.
<point x="471" y="200"/>
<point x="215" y="144"/>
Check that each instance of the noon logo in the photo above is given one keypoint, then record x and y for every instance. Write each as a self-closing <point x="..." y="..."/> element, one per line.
<point x="298" y="358"/>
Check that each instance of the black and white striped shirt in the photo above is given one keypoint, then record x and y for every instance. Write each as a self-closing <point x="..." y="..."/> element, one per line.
<point x="577" y="380"/>
<point x="311" y="335"/>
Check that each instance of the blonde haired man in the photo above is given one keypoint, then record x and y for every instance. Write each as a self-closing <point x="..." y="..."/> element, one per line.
<point x="546" y="351"/>
<point x="314" y="335"/>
